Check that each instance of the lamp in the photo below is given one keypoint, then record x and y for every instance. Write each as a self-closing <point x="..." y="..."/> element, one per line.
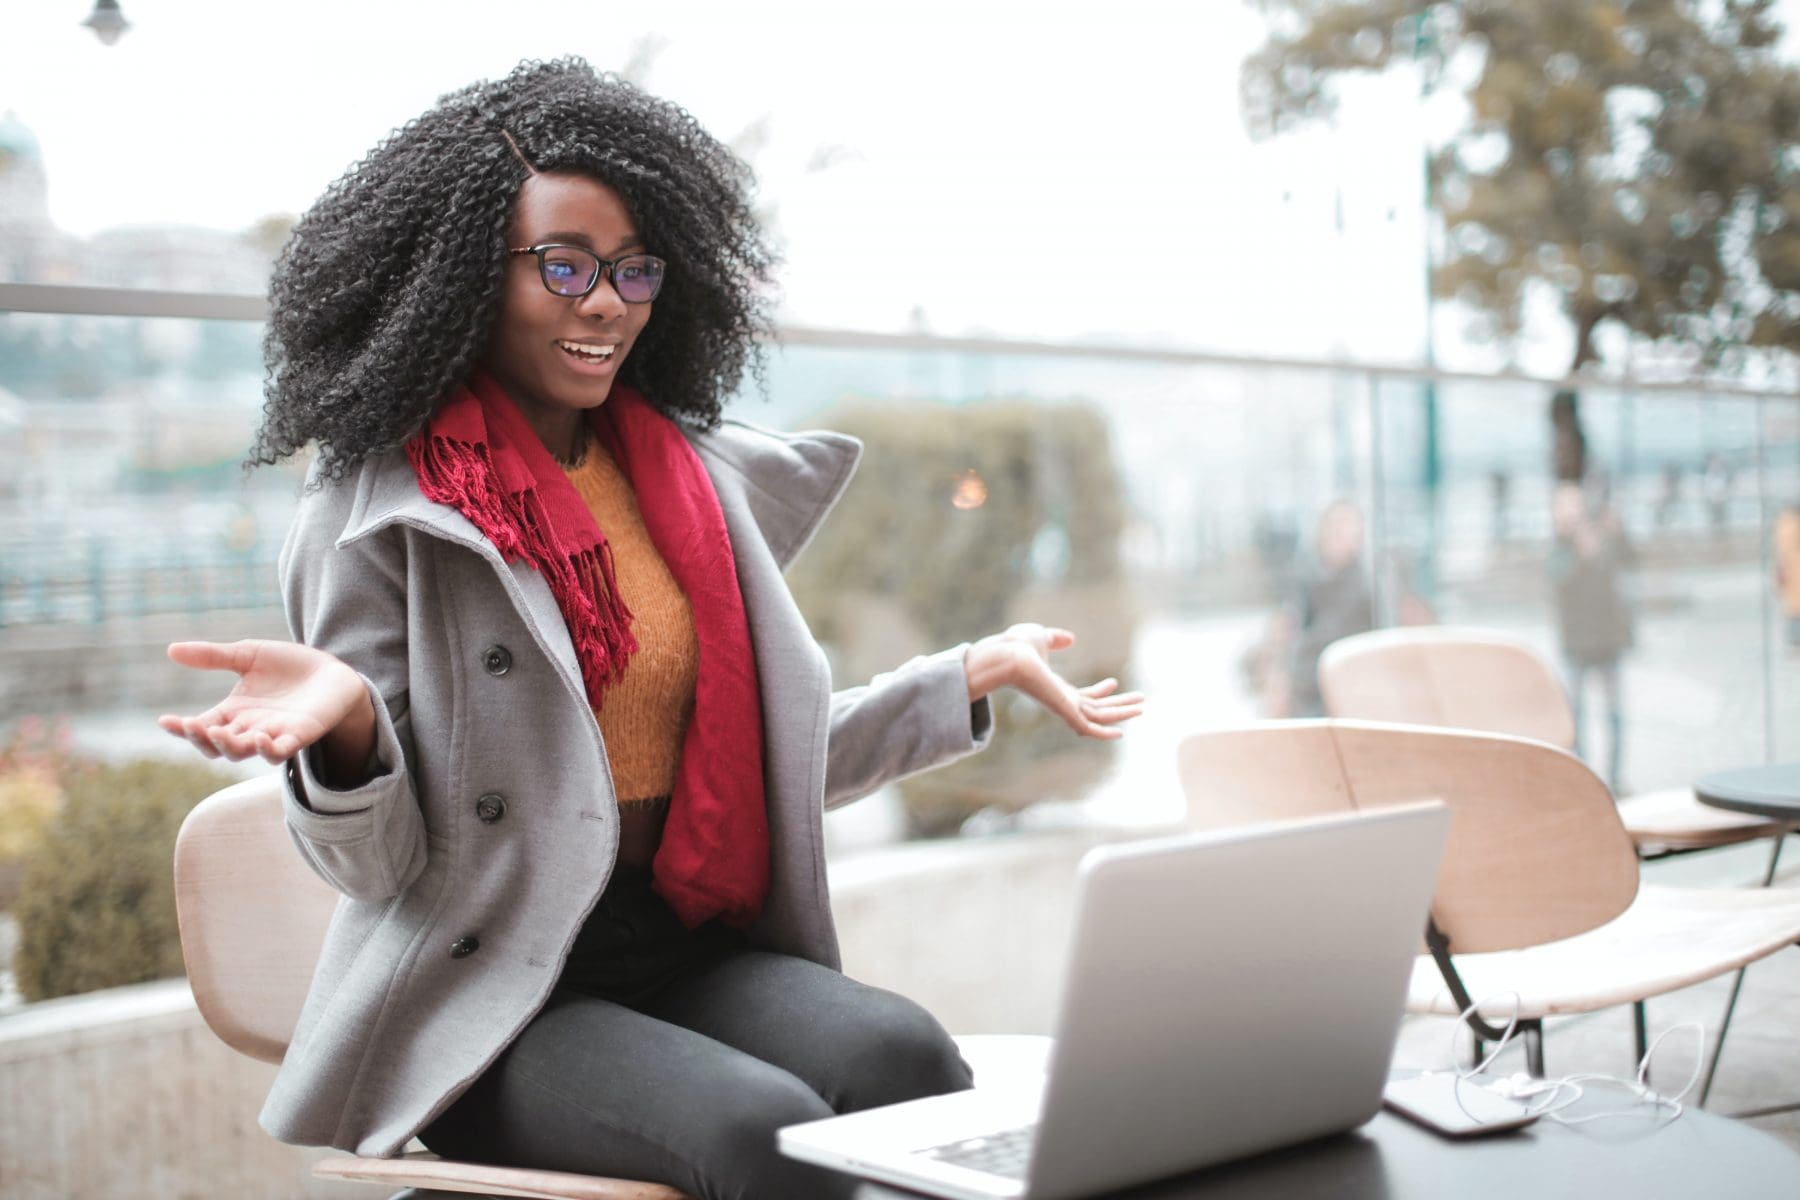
<point x="107" y="21"/>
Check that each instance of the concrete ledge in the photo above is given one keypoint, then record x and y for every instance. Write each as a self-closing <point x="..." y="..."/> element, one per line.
<point x="125" y="1094"/>
<point x="96" y="1018"/>
<point x="976" y="931"/>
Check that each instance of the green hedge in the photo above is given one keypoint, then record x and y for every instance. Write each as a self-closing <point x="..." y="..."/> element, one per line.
<point x="97" y="903"/>
<point x="37" y="757"/>
<point x="960" y="521"/>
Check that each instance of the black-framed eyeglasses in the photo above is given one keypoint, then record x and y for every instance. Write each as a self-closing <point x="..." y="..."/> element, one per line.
<point x="573" y="271"/>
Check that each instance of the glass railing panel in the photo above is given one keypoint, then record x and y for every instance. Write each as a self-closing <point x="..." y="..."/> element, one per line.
<point x="125" y="516"/>
<point x="1223" y="471"/>
<point x="1648" y="573"/>
<point x="125" y="520"/>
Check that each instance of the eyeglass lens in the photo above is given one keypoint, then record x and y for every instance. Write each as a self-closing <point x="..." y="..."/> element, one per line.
<point x="571" y="271"/>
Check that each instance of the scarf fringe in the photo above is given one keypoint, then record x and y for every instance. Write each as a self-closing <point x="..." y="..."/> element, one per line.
<point x="462" y="475"/>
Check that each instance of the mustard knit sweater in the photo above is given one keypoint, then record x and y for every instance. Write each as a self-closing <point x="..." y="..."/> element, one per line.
<point x="645" y="714"/>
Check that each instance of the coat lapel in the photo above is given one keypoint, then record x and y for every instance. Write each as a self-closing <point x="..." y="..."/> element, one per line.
<point x="781" y="485"/>
<point x="774" y="489"/>
<point x="388" y="494"/>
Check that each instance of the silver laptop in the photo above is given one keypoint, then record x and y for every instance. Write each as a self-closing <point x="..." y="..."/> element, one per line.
<point x="1227" y="993"/>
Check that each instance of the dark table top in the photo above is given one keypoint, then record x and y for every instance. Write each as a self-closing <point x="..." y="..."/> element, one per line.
<point x="1698" y="1154"/>
<point x="1766" y="791"/>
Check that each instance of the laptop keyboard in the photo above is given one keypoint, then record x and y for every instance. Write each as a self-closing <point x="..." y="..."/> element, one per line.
<point x="1006" y="1153"/>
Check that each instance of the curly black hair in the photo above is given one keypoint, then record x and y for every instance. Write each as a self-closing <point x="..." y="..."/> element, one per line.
<point x="384" y="297"/>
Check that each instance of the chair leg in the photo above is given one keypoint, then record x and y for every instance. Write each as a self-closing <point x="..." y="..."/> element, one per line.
<point x="1640" y="1035"/>
<point x="1533" y="1032"/>
<point x="1737" y="985"/>
<point x="1780" y="840"/>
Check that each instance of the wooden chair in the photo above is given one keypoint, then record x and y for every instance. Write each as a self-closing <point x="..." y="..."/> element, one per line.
<point x="1478" y="679"/>
<point x="1538" y="893"/>
<point x="253" y="920"/>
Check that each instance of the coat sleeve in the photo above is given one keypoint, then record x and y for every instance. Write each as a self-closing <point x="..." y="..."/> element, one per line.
<point x="911" y="719"/>
<point x="367" y="841"/>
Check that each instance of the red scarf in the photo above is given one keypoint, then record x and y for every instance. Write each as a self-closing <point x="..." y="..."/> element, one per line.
<point x="479" y="455"/>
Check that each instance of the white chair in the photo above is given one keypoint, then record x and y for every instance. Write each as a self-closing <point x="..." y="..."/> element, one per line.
<point x="1538" y="894"/>
<point x="1479" y="679"/>
<point x="253" y="919"/>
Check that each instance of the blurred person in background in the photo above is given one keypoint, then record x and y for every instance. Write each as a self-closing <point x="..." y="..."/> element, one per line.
<point x="1330" y="597"/>
<point x="1568" y="443"/>
<point x="1718" y="482"/>
<point x="1588" y="558"/>
<point x="1500" y="502"/>
<point x="1668" y="494"/>
<point x="551" y="721"/>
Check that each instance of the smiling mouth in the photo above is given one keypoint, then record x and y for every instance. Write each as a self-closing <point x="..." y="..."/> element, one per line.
<point x="586" y="352"/>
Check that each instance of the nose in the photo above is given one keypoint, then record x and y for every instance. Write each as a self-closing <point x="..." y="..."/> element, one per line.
<point x="603" y="301"/>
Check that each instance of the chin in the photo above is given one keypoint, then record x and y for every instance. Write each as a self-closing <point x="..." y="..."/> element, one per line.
<point x="580" y="398"/>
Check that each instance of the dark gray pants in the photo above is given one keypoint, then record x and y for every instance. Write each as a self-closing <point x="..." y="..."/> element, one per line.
<point x="673" y="1056"/>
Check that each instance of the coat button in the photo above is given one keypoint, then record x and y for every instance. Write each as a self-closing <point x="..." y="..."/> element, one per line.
<point x="491" y="807"/>
<point x="464" y="946"/>
<point x="497" y="660"/>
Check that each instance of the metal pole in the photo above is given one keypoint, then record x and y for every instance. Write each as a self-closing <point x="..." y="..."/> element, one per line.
<point x="1433" y="467"/>
<point x="1378" y="528"/>
<point x="1771" y="646"/>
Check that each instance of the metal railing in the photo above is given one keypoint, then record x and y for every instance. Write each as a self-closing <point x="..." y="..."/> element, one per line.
<point x="78" y="300"/>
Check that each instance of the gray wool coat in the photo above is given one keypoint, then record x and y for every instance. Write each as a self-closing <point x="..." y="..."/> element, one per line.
<point x="470" y="860"/>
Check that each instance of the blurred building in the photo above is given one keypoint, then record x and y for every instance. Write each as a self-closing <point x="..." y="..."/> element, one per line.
<point x="31" y="248"/>
<point x="172" y="257"/>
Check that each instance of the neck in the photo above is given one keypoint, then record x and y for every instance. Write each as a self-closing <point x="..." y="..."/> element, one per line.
<point x="564" y="434"/>
<point x="563" y="431"/>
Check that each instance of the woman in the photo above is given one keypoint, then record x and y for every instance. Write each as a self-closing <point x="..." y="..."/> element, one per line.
<point x="551" y="721"/>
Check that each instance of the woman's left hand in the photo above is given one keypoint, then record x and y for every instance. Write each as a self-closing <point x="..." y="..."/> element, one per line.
<point x="1020" y="658"/>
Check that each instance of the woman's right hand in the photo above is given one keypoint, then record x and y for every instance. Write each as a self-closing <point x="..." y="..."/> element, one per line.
<point x="287" y="697"/>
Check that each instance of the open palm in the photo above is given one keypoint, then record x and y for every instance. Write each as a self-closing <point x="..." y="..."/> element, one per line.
<point x="1092" y="711"/>
<point x="286" y="698"/>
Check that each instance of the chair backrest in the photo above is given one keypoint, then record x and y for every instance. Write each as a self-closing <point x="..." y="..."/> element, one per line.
<point x="1447" y="676"/>
<point x="252" y="917"/>
<point x="1536" y="850"/>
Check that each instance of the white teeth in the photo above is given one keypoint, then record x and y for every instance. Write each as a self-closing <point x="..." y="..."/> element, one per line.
<point x="597" y="353"/>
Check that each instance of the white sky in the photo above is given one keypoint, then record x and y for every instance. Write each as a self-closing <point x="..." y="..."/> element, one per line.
<point x="1032" y="169"/>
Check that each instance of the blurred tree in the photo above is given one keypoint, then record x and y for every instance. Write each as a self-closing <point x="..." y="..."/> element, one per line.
<point x="1639" y="157"/>
<point x="269" y="234"/>
<point x="642" y="60"/>
<point x="750" y="143"/>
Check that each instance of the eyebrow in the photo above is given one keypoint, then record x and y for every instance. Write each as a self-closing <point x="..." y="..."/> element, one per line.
<point x="634" y="242"/>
